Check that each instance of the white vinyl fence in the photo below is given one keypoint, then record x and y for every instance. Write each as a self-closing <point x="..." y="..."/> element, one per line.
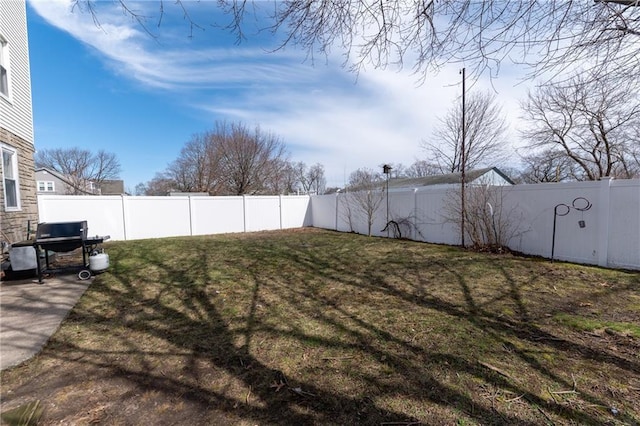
<point x="132" y="218"/>
<point x="610" y="235"/>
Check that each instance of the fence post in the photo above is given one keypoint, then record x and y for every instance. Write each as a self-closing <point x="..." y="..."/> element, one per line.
<point x="124" y="217"/>
<point x="190" y="216"/>
<point x="337" y="205"/>
<point x="604" y="201"/>
<point x="244" y="212"/>
<point x="280" y="207"/>
<point x="415" y="214"/>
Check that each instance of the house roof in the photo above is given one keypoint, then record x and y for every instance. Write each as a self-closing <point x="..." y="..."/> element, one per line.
<point x="54" y="173"/>
<point x="446" y="179"/>
<point x="190" y="194"/>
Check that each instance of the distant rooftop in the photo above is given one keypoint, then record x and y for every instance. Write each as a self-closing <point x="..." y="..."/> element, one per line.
<point x="189" y="194"/>
<point x="446" y="179"/>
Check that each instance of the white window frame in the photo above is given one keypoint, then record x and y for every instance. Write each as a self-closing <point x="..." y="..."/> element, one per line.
<point x="5" y="64"/>
<point x="4" y="149"/>
<point x="46" y="186"/>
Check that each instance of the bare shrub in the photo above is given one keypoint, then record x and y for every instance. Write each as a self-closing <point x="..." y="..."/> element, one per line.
<point x="490" y="223"/>
<point x="362" y="206"/>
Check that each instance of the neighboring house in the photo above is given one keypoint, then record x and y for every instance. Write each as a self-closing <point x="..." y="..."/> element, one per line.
<point x="112" y="187"/>
<point x="51" y="182"/>
<point x="486" y="176"/>
<point x="18" y="202"/>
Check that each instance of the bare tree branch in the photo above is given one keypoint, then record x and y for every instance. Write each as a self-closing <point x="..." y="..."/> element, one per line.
<point x="80" y="167"/>
<point x="485" y="136"/>
<point x="364" y="196"/>
<point x="551" y="36"/>
<point x="592" y="123"/>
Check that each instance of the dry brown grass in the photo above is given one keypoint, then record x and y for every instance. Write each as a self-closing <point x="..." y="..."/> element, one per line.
<point x="317" y="327"/>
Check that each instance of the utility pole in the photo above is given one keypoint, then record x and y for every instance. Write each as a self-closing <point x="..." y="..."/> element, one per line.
<point x="462" y="158"/>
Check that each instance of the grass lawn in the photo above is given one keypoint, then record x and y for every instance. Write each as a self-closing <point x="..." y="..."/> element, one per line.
<point x="317" y="327"/>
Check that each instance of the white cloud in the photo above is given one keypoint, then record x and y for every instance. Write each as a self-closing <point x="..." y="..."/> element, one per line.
<point x="321" y="112"/>
<point x="166" y="61"/>
<point x="382" y="119"/>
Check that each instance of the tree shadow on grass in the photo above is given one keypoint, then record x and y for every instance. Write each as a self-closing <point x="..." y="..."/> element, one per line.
<point x="204" y="335"/>
<point x="220" y="346"/>
<point x="501" y="328"/>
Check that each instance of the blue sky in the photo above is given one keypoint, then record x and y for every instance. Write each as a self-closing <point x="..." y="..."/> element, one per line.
<point x="115" y="87"/>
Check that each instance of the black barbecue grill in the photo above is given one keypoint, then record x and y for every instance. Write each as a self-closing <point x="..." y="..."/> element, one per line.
<point x="62" y="237"/>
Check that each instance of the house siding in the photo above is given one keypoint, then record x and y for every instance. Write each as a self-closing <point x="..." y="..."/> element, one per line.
<point x="63" y="186"/>
<point x="16" y="121"/>
<point x="14" y="223"/>
<point x="59" y="185"/>
<point x="492" y="178"/>
<point x="16" y="113"/>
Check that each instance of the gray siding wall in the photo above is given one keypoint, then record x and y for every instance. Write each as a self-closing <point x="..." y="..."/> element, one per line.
<point x="61" y="187"/>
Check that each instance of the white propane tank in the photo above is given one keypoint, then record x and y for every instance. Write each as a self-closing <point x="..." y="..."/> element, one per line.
<point x="99" y="262"/>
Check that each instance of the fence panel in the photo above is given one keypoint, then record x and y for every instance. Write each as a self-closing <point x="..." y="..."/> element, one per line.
<point x="346" y="220"/>
<point x="217" y="215"/>
<point x="434" y="221"/>
<point x="324" y="211"/>
<point x="402" y="213"/>
<point x="103" y="214"/>
<point x="536" y="205"/>
<point x="296" y="211"/>
<point x="156" y="217"/>
<point x="607" y="234"/>
<point x="624" y="225"/>
<point x="262" y="213"/>
<point x="130" y="218"/>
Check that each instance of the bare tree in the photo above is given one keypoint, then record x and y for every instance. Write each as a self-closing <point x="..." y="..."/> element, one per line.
<point x="549" y="165"/>
<point x="250" y="159"/>
<point x="286" y="180"/>
<point x="364" y="196"/>
<point x="591" y="123"/>
<point x="485" y="136"/>
<point x="365" y="178"/>
<point x="140" y="189"/>
<point x="81" y="167"/>
<point x="161" y="184"/>
<point x="232" y="159"/>
<point x="550" y="35"/>
<point x="317" y="179"/>
<point x="421" y="168"/>
<point x="197" y="168"/>
<point x="311" y="178"/>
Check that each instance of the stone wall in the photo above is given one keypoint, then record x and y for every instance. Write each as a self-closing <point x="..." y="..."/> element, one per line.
<point x="13" y="224"/>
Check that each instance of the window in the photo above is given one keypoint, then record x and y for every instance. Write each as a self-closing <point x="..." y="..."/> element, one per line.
<point x="46" y="186"/>
<point x="10" y="179"/>
<point x="4" y="67"/>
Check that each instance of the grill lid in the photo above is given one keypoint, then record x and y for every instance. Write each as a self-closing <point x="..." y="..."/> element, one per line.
<point x="62" y="230"/>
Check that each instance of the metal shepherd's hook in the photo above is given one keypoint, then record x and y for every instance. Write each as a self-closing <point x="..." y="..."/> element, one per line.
<point x="580" y="204"/>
